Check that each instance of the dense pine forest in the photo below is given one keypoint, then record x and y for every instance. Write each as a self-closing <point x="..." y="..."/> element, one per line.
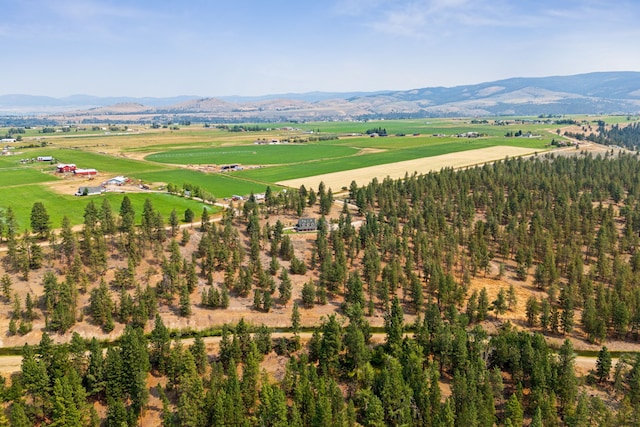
<point x="625" y="136"/>
<point x="566" y="227"/>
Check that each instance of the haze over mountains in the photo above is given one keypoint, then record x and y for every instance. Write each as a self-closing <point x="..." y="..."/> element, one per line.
<point x="593" y="93"/>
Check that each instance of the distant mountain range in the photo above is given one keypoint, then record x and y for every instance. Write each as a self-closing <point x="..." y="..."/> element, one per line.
<point x="593" y="93"/>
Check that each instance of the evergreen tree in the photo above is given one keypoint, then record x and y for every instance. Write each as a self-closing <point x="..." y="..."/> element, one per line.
<point x="40" y="224"/>
<point x="532" y="310"/>
<point x="160" y="343"/>
<point x="500" y="303"/>
<point x="309" y="294"/>
<point x="18" y="416"/>
<point x="567" y="385"/>
<point x="127" y="215"/>
<point x="394" y="326"/>
<point x="603" y="364"/>
<point x="6" y="284"/>
<point x="94" y="375"/>
<point x="107" y="221"/>
<point x="185" y="301"/>
<point x="295" y="324"/>
<point x="513" y="411"/>
<point x="69" y="243"/>
<point x="285" y="287"/>
<point x="174" y="222"/>
<point x="483" y="305"/>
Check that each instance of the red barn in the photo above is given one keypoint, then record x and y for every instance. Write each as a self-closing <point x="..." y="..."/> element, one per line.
<point x="85" y="172"/>
<point x="66" y="168"/>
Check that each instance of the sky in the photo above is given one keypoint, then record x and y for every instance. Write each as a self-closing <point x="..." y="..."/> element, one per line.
<point x="161" y="48"/>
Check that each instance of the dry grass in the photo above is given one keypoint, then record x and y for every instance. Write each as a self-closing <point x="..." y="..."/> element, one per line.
<point x="398" y="170"/>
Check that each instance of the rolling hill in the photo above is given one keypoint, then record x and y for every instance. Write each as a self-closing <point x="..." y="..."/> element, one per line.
<point x="593" y="93"/>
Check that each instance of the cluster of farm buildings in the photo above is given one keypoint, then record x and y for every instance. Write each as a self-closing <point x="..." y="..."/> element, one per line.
<point x="90" y="191"/>
<point x="71" y="168"/>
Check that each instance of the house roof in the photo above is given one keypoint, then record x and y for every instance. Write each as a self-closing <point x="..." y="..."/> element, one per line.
<point x="307" y="224"/>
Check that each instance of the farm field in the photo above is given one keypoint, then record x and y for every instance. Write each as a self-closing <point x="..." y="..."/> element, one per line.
<point x="253" y="154"/>
<point x="386" y="157"/>
<point x="362" y="176"/>
<point x="183" y="157"/>
<point x="220" y="185"/>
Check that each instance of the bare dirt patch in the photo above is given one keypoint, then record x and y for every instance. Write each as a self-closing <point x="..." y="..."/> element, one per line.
<point x="370" y="151"/>
<point x="397" y="170"/>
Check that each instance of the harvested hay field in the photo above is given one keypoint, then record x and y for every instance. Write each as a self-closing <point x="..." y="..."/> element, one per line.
<point x="362" y="176"/>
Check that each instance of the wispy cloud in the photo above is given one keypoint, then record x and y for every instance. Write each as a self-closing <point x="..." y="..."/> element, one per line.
<point x="428" y="18"/>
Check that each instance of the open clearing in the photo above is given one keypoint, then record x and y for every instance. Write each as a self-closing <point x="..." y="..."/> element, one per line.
<point x="362" y="176"/>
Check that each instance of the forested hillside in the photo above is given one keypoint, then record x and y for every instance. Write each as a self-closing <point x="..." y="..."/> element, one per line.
<point x="566" y="227"/>
<point x="625" y="136"/>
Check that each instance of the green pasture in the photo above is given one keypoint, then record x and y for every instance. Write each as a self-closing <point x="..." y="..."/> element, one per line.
<point x="10" y="162"/>
<point x="280" y="173"/>
<point x="102" y="162"/>
<point x="21" y="201"/>
<point x="13" y="177"/>
<point x="14" y="173"/>
<point x="253" y="154"/>
<point x="424" y="127"/>
<point x="219" y="184"/>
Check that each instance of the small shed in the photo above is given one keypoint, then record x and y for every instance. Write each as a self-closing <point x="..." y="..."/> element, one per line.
<point x="89" y="191"/>
<point x="307" y="224"/>
<point x="44" y="158"/>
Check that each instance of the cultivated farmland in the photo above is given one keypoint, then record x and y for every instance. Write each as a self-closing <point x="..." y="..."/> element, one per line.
<point x="290" y="155"/>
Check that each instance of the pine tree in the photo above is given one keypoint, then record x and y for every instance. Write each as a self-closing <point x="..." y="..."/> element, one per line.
<point x="18" y="416"/>
<point x="567" y="388"/>
<point x="107" y="221"/>
<point x="69" y="243"/>
<point x="127" y="215"/>
<point x="35" y="378"/>
<point x="174" y="222"/>
<point x="272" y="410"/>
<point x="532" y="310"/>
<point x="94" y="375"/>
<point x="160" y="344"/>
<point x="6" y="284"/>
<point x="394" y="327"/>
<point x="250" y="374"/>
<point x="309" y="294"/>
<point x="40" y="220"/>
<point x="513" y="411"/>
<point x="603" y="364"/>
<point x="483" y="305"/>
<point x="500" y="303"/>
<point x="285" y="287"/>
<point x="185" y="302"/>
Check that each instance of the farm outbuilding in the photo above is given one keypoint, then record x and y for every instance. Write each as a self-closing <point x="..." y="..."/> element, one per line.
<point x="69" y="167"/>
<point x="118" y="180"/>
<point x="44" y="158"/>
<point x="306" y="224"/>
<point x="89" y="191"/>
<point x="85" y="172"/>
